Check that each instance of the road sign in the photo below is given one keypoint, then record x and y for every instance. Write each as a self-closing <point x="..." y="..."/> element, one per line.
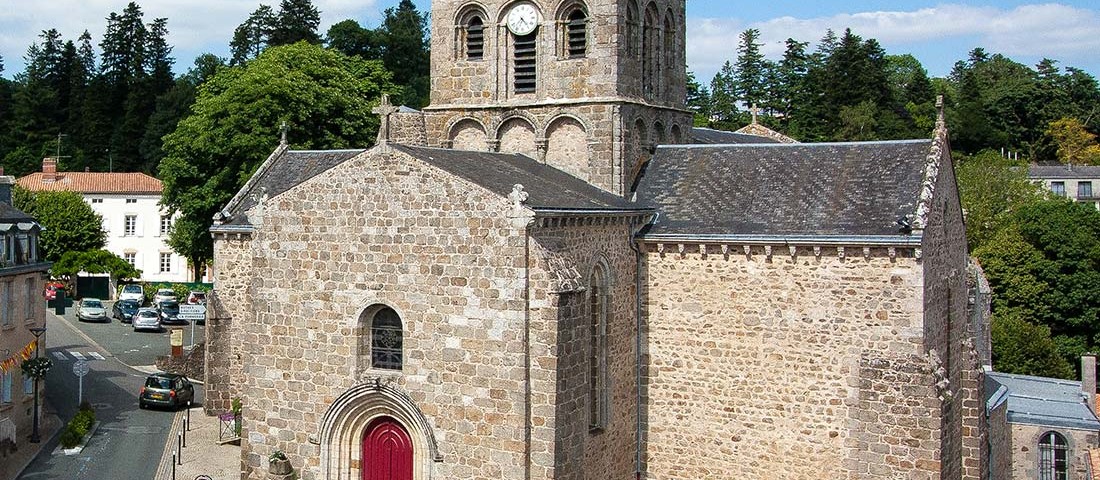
<point x="80" y="368"/>
<point x="192" y="312"/>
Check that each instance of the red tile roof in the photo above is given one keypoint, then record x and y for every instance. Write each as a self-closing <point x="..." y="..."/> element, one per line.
<point x="93" y="182"/>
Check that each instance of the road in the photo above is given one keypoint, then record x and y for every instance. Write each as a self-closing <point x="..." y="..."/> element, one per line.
<point x="129" y="441"/>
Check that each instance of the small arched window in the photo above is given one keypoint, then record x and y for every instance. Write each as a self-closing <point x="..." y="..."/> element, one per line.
<point x="597" y="345"/>
<point x="576" y="33"/>
<point x="385" y="340"/>
<point x="475" y="38"/>
<point x="1053" y="457"/>
<point x="632" y="29"/>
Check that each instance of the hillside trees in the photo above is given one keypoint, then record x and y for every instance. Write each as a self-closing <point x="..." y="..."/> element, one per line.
<point x="322" y="95"/>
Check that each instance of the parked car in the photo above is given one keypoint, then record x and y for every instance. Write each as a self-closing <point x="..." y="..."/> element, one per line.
<point x="196" y="297"/>
<point x="51" y="290"/>
<point x="134" y="292"/>
<point x="124" y="310"/>
<point x="146" y="319"/>
<point x="166" y="390"/>
<point x="163" y="294"/>
<point x="92" y="310"/>
<point x="169" y="312"/>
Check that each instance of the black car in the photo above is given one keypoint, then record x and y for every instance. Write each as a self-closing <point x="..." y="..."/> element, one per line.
<point x="169" y="312"/>
<point x="124" y="310"/>
<point x="166" y="390"/>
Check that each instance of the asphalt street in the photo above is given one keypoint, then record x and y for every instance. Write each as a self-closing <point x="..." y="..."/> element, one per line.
<point x="129" y="441"/>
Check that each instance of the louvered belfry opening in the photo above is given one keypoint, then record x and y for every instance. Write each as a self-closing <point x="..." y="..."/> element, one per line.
<point x="525" y="59"/>
<point x="475" y="38"/>
<point x="577" y="33"/>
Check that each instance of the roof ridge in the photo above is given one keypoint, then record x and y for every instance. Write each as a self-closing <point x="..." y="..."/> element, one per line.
<point x="789" y="145"/>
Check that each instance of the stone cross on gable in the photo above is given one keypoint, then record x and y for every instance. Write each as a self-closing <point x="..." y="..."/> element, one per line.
<point x="384" y="110"/>
<point x="755" y="111"/>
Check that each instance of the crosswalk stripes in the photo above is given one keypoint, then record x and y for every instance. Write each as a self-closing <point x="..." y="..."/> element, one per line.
<point x="77" y="355"/>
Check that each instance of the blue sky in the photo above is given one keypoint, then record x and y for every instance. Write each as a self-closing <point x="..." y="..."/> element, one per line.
<point x="937" y="33"/>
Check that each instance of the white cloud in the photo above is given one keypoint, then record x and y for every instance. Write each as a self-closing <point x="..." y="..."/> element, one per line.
<point x="1052" y="30"/>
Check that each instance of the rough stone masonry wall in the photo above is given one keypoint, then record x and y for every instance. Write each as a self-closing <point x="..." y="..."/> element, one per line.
<point x="384" y="229"/>
<point x="948" y="327"/>
<point x="787" y="368"/>
<point x="564" y="259"/>
<point x="232" y="288"/>
<point x="1000" y="442"/>
<point x="1025" y="453"/>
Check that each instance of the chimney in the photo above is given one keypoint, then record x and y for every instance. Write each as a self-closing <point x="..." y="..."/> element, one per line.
<point x="49" y="170"/>
<point x="1088" y="380"/>
<point x="5" y="187"/>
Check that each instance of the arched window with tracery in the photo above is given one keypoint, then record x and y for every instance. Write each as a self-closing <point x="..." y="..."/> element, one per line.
<point x="597" y="347"/>
<point x="1053" y="457"/>
<point x="651" y="54"/>
<point x="632" y="30"/>
<point x="386" y="337"/>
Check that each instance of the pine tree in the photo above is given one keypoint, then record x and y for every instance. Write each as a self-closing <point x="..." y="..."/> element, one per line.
<point x="351" y="39"/>
<point x="253" y="36"/>
<point x="698" y="100"/>
<point x="752" y="68"/>
<point x="403" y="34"/>
<point x="723" y="99"/>
<point x="297" y="21"/>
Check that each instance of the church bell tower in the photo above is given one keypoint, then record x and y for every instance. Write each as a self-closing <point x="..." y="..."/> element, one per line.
<point x="587" y="86"/>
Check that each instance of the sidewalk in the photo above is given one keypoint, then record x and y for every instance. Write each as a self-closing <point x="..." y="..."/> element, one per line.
<point x="202" y="455"/>
<point x="14" y="463"/>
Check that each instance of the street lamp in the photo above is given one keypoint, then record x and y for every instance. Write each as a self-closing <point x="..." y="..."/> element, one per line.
<point x="37" y="332"/>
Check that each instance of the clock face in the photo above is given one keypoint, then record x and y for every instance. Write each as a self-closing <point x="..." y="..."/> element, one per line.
<point x="523" y="19"/>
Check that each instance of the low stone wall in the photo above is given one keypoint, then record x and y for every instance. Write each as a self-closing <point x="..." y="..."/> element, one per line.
<point x="189" y="364"/>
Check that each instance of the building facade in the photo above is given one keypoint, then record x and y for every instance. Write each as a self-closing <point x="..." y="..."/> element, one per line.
<point x="136" y="224"/>
<point x="1075" y="182"/>
<point x="548" y="273"/>
<point x="22" y="277"/>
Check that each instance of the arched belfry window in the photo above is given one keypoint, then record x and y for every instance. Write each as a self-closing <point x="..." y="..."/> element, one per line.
<point x="597" y="345"/>
<point x="1053" y="457"/>
<point x="475" y="38"/>
<point x="576" y="33"/>
<point x="525" y="58"/>
<point x="385" y="340"/>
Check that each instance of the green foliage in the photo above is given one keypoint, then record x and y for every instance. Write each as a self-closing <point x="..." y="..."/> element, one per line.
<point x="322" y="95"/>
<point x="77" y="427"/>
<point x="991" y="189"/>
<point x="297" y="21"/>
<point x="403" y="34"/>
<point x="69" y="438"/>
<point x="94" y="261"/>
<point x="1075" y="145"/>
<point x="1025" y="348"/>
<point x="36" y="367"/>
<point x="69" y="224"/>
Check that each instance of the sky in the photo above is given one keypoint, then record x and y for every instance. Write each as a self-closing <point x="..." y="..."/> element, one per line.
<point x="937" y="34"/>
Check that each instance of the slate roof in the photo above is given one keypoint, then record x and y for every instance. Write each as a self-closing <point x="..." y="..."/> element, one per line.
<point x="1040" y="401"/>
<point x="10" y="214"/>
<point x="1063" y="171"/>
<point x="548" y="188"/>
<point x="707" y="136"/>
<point x="820" y="189"/>
<point x="285" y="171"/>
<point x="93" y="182"/>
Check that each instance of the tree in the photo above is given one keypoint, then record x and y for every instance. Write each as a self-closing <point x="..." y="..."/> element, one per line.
<point x="698" y="100"/>
<point x="723" y="98"/>
<point x="403" y="35"/>
<point x="752" y="68"/>
<point x="1076" y="146"/>
<point x="94" y="261"/>
<point x="349" y="38"/>
<point x="297" y="21"/>
<point x="252" y="37"/>
<point x="991" y="189"/>
<point x="68" y="223"/>
<point x="1024" y="348"/>
<point x="323" y="96"/>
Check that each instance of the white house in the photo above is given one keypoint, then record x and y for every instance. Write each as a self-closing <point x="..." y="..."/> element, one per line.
<point x="1073" y="181"/>
<point x="136" y="225"/>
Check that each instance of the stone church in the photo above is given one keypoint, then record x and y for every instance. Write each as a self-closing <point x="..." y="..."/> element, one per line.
<point x="548" y="273"/>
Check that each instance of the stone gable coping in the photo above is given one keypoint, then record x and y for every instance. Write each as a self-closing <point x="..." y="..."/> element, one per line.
<point x="223" y="215"/>
<point x="934" y="161"/>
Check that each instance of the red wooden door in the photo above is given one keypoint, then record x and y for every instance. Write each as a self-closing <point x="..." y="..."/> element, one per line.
<point x="387" y="451"/>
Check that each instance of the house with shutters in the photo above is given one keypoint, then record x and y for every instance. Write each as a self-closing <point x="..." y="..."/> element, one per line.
<point x="136" y="224"/>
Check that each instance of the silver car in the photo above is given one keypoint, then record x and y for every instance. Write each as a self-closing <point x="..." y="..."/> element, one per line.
<point x="92" y="310"/>
<point x="146" y="319"/>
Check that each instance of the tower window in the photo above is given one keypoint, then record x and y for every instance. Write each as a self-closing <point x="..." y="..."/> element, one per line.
<point x="475" y="38"/>
<point x="525" y="62"/>
<point x="386" y="336"/>
<point x="577" y="33"/>
<point x="1053" y="461"/>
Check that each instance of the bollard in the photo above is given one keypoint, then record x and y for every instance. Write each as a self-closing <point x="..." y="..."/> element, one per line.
<point x="179" y="447"/>
<point x="173" y="466"/>
<point x="187" y="421"/>
<point x="184" y="433"/>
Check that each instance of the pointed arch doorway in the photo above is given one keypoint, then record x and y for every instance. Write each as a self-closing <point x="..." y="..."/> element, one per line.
<point x="387" y="452"/>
